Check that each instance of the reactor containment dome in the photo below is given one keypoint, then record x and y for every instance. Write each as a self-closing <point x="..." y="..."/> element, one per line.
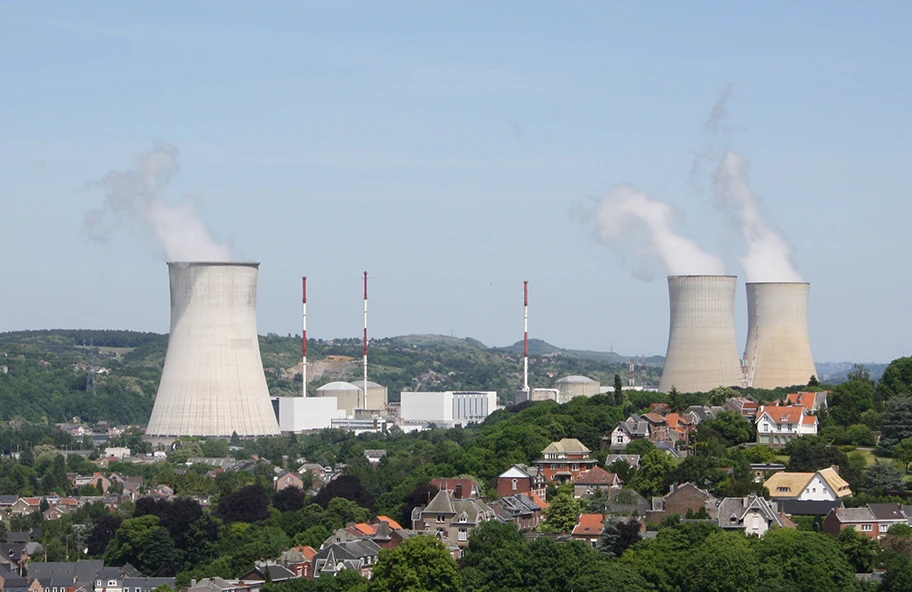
<point x="213" y="382"/>
<point x="702" y="342"/>
<point x="778" y="350"/>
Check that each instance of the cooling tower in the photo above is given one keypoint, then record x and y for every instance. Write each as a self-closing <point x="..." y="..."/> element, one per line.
<point x="702" y="345"/>
<point x="778" y="351"/>
<point x="213" y="382"/>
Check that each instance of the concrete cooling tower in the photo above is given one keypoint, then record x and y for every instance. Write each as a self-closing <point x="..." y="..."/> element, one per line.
<point x="778" y="351"/>
<point x="702" y="344"/>
<point x="213" y="383"/>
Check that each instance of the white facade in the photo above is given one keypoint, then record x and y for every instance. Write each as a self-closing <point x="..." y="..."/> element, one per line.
<point x="818" y="490"/>
<point x="778" y="350"/>
<point x="569" y="387"/>
<point x="297" y="414"/>
<point x="373" y="396"/>
<point x="702" y="344"/>
<point x="213" y="382"/>
<point x="345" y="393"/>
<point x="447" y="408"/>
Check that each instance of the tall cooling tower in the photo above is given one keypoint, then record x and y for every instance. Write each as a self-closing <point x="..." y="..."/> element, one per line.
<point x="213" y="382"/>
<point x="702" y="344"/>
<point x="778" y="351"/>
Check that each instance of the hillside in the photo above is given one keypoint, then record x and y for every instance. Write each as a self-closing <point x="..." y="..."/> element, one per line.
<point x="47" y="378"/>
<point x="538" y="347"/>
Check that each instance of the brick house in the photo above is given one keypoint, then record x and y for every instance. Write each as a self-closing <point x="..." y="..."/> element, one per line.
<point x="287" y="479"/>
<point x="680" y="500"/>
<point x="595" y="479"/>
<point x="862" y="520"/>
<point x="589" y="528"/>
<point x="521" y="479"/>
<point x="525" y="512"/>
<point x="460" y="488"/>
<point x="451" y="519"/>
<point x="565" y="460"/>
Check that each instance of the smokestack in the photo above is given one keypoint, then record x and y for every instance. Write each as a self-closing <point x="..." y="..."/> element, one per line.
<point x="364" y="390"/>
<point x="702" y="345"/>
<point x="304" y="336"/>
<point x="213" y="382"/>
<point x="778" y="350"/>
<point x="526" y="337"/>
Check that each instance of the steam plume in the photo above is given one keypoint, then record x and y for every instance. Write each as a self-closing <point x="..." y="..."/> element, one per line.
<point x="769" y="255"/>
<point x="136" y="195"/>
<point x="642" y="229"/>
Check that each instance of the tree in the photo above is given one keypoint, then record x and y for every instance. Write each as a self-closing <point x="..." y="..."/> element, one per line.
<point x="290" y="499"/>
<point x="655" y="467"/>
<point x="725" y="562"/>
<point x="103" y="531"/>
<point x="563" y="512"/>
<point x="804" y="562"/>
<point x="247" y="504"/>
<point x="898" y="577"/>
<point x="897" y="423"/>
<point x="860" y="550"/>
<point x="812" y="453"/>
<point x="813" y="381"/>
<point x="731" y="428"/>
<point x="618" y="390"/>
<point x="418" y="497"/>
<point x="852" y="398"/>
<point x="495" y="559"/>
<point x="640" y="446"/>
<point x="882" y="477"/>
<point x="896" y="380"/>
<point x="145" y="544"/>
<point x="419" y="564"/>
<point x="619" y="535"/>
<point x="348" y="487"/>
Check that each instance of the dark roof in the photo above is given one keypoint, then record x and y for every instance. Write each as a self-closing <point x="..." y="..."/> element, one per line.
<point x="17" y="537"/>
<point x="808" y="508"/>
<point x="149" y="583"/>
<point x="8" y="500"/>
<point x="277" y="573"/>
<point x="887" y="511"/>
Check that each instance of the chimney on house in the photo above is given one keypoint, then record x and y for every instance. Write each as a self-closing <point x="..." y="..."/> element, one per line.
<point x="458" y="493"/>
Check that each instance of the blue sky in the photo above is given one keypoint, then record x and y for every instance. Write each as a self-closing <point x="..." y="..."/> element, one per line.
<point x="454" y="150"/>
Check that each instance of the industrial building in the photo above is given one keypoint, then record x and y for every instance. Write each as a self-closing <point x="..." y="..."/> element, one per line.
<point x="448" y="408"/>
<point x="373" y="395"/>
<point x="212" y="383"/>
<point x="702" y="343"/>
<point x="300" y="414"/>
<point x="778" y="350"/>
<point x="537" y="394"/>
<point x="345" y="393"/>
<point x="569" y="387"/>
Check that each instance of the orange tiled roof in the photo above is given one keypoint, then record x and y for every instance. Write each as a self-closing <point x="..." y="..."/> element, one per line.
<point x="807" y="399"/>
<point x="539" y="501"/>
<point x="368" y="529"/>
<point x="654" y="417"/>
<point x="788" y="414"/>
<point x="392" y="523"/>
<point x="589" y="525"/>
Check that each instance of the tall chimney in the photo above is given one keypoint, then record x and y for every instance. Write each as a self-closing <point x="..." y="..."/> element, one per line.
<point x="363" y="403"/>
<point x="526" y="338"/>
<point x="304" y="336"/>
<point x="702" y="345"/>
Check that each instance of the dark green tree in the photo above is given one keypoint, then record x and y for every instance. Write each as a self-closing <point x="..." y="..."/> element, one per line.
<point x="618" y="390"/>
<point x="859" y="550"/>
<point x="896" y="380"/>
<point x="419" y="564"/>
<point x="897" y="423"/>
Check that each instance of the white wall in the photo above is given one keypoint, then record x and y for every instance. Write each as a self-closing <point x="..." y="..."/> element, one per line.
<point x="818" y="490"/>
<point x="430" y="407"/>
<point x="307" y="413"/>
<point x="473" y="405"/>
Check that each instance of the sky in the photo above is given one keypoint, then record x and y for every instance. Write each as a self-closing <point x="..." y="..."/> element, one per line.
<point x="454" y="150"/>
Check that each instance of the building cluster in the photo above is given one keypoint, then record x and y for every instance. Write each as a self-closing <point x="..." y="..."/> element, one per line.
<point x="19" y="574"/>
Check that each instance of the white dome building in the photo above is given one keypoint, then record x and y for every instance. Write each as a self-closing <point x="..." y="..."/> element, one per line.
<point x="373" y="396"/>
<point x="345" y="393"/>
<point x="569" y="387"/>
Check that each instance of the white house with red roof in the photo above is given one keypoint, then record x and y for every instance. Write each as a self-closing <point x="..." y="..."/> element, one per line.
<point x="776" y="424"/>
<point x="813" y="401"/>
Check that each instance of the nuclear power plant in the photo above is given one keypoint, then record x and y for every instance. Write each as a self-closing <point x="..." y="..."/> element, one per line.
<point x="702" y="343"/>
<point x="778" y="350"/>
<point x="213" y="382"/>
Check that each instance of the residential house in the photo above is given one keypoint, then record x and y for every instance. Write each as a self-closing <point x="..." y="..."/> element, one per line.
<point x="451" y="519"/>
<point x="589" y="528"/>
<point x="625" y="432"/>
<point x="360" y="556"/>
<point x="631" y="459"/>
<point x="680" y="500"/>
<point x="862" y="520"/>
<point x="697" y="414"/>
<point x="25" y="505"/>
<point x="762" y="471"/>
<point x="260" y="574"/>
<point x="793" y="507"/>
<point x="299" y="560"/>
<point x="812" y="401"/>
<point x="287" y="479"/>
<point x="6" y="504"/>
<point x="743" y="406"/>
<point x="132" y="486"/>
<point x="887" y="515"/>
<point x="824" y="485"/>
<point x="777" y="425"/>
<point x="52" y="514"/>
<point x="460" y="488"/>
<point x="99" y="480"/>
<point x="374" y="456"/>
<point x="593" y="480"/>
<point x="217" y="585"/>
<point x="15" y="557"/>
<point x="751" y="515"/>
<point x="521" y="479"/>
<point x="565" y="460"/>
<point x="658" y="427"/>
<point x="523" y="511"/>
<point x="626" y="502"/>
<point x="392" y="523"/>
<point x="320" y="475"/>
<point x="146" y="584"/>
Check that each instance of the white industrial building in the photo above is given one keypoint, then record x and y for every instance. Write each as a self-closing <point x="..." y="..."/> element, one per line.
<point x="373" y="396"/>
<point x="702" y="343"/>
<point x="212" y="383"/>
<point x="299" y="414"/>
<point x="448" y="408"/>
<point x="537" y="394"/>
<point x="778" y="350"/>
<point x="345" y="393"/>
<point x="570" y="387"/>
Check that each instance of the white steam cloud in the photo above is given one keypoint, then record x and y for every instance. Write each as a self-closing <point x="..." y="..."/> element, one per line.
<point x="769" y="254"/>
<point x="136" y="195"/>
<point x="642" y="230"/>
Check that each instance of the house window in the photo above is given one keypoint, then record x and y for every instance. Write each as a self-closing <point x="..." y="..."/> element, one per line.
<point x="440" y="519"/>
<point x="620" y="439"/>
<point x="867" y="528"/>
<point x="515" y="484"/>
<point x="463" y="534"/>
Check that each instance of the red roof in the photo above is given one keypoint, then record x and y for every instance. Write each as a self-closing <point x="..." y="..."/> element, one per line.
<point x="788" y="414"/>
<point x="367" y="529"/>
<point x="597" y="476"/>
<point x="654" y="418"/>
<point x="539" y="501"/>
<point x="674" y="419"/>
<point x="307" y="551"/>
<point x="806" y="399"/>
<point x="392" y="523"/>
<point x="451" y="485"/>
<point x="589" y="525"/>
<point x="810" y="419"/>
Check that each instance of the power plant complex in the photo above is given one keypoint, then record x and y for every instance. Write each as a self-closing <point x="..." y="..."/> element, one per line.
<point x="213" y="382"/>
